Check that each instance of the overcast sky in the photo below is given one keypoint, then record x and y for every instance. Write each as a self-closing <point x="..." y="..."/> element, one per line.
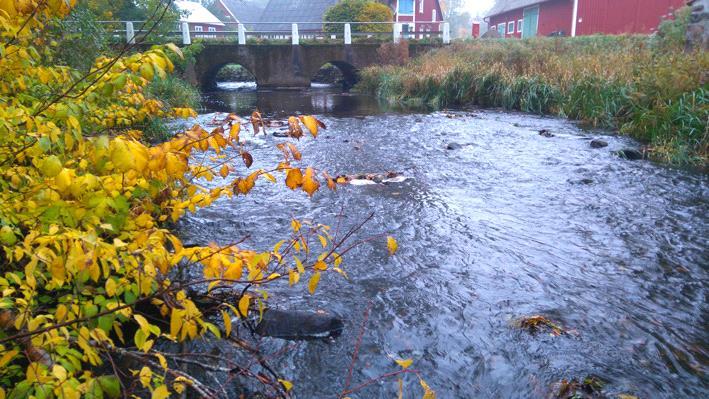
<point x="475" y="7"/>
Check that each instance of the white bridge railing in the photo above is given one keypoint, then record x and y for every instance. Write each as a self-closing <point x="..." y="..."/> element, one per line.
<point x="295" y="32"/>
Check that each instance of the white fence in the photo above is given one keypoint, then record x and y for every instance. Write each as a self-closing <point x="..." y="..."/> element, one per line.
<point x="343" y="32"/>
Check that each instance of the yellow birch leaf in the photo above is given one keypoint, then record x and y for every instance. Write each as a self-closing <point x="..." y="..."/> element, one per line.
<point x="310" y="182"/>
<point x="286" y="384"/>
<point x="313" y="283"/>
<point x="227" y="322"/>
<point x="160" y="392"/>
<point x="404" y="363"/>
<point x="293" y="278"/>
<point x="294" y="178"/>
<point x="392" y="245"/>
<point x="234" y="131"/>
<point x="244" y="303"/>
<point x="320" y="265"/>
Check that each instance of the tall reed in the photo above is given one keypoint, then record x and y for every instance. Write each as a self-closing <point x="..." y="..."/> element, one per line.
<point x="645" y="87"/>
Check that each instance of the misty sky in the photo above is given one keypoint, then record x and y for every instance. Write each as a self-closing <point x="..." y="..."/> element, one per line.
<point x="475" y="7"/>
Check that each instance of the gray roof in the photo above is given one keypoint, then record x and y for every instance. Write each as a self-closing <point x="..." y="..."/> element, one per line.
<point x="245" y="10"/>
<point x="295" y="11"/>
<point x="509" y="5"/>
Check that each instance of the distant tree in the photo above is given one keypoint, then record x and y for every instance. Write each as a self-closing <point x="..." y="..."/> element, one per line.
<point x="375" y="12"/>
<point x="358" y="11"/>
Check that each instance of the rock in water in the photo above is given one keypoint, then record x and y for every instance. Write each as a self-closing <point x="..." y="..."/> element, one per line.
<point x="453" y="146"/>
<point x="546" y="133"/>
<point x="630" y="154"/>
<point x="297" y="325"/>
<point x="598" y="143"/>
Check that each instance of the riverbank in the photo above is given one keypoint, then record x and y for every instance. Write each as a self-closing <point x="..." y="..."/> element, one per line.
<point x="647" y="88"/>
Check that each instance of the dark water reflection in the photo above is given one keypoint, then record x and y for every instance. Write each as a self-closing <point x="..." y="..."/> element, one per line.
<point x="498" y="229"/>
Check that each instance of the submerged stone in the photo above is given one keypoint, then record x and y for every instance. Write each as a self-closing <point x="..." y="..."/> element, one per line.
<point x="297" y="325"/>
<point x="630" y="154"/>
<point x="598" y="143"/>
<point x="546" y="133"/>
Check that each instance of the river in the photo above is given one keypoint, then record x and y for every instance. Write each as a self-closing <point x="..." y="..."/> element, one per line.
<point x="510" y="224"/>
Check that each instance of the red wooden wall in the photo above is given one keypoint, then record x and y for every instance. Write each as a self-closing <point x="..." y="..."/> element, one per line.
<point x="623" y="16"/>
<point x="595" y="16"/>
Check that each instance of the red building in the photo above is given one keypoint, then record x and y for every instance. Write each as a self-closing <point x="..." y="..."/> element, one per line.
<point x="529" y="18"/>
<point x="202" y="23"/>
<point x="418" y="15"/>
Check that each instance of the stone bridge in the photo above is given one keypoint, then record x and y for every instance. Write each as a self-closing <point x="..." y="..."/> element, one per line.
<point x="286" y="66"/>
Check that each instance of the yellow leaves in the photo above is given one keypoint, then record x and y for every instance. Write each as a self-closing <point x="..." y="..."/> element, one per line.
<point x="294" y="178"/>
<point x="310" y="182"/>
<point x="392" y="245"/>
<point x="160" y="392"/>
<point x="63" y="180"/>
<point x="145" y="376"/>
<point x="287" y="385"/>
<point x="313" y="283"/>
<point x="428" y="392"/>
<point x="147" y="71"/>
<point x="244" y="303"/>
<point x="293" y="277"/>
<point x="227" y="322"/>
<point x="243" y="186"/>
<point x="234" y="131"/>
<point x="111" y="287"/>
<point x="312" y="124"/>
<point x="404" y="363"/>
<point x="128" y="155"/>
<point x="320" y="265"/>
<point x="294" y="129"/>
<point x="7" y="357"/>
<point x="257" y="122"/>
<point x="51" y="166"/>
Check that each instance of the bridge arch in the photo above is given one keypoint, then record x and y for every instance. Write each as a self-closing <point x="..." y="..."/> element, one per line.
<point x="350" y="74"/>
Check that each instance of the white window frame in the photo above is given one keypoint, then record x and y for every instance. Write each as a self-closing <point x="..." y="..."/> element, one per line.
<point x="520" y="22"/>
<point x="198" y="28"/>
<point x="212" y="29"/>
<point x="502" y="25"/>
<point x="434" y="16"/>
<point x="421" y="4"/>
<point x="511" y="24"/>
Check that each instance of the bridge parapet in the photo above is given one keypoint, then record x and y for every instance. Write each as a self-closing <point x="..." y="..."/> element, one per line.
<point x="240" y="33"/>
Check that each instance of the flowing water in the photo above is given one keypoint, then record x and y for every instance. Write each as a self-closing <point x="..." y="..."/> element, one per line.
<point x="511" y="224"/>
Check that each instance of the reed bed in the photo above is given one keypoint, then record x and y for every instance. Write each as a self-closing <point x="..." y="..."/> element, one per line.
<point x="645" y="87"/>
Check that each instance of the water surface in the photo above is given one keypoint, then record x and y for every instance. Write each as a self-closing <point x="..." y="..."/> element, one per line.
<point x="509" y="225"/>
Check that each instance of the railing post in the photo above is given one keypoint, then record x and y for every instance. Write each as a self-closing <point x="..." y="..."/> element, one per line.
<point x="348" y="34"/>
<point x="130" y="33"/>
<point x="186" y="39"/>
<point x="242" y="34"/>
<point x="397" y="32"/>
<point x="295" y="36"/>
<point x="446" y="33"/>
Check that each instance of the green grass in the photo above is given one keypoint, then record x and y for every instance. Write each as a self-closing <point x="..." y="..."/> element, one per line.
<point x="644" y="87"/>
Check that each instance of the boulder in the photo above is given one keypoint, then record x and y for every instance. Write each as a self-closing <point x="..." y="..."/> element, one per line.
<point x="631" y="154"/>
<point x="546" y="133"/>
<point x="598" y="143"/>
<point x="454" y="146"/>
<point x="297" y="325"/>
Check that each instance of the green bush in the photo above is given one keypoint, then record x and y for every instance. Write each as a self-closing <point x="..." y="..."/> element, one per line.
<point x="358" y="11"/>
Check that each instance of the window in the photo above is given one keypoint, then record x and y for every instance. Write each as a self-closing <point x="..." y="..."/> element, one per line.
<point x="198" y="28"/>
<point x="501" y="29"/>
<point x="212" y="29"/>
<point x="434" y="17"/>
<point x="421" y="4"/>
<point x="511" y="27"/>
<point x="519" y="26"/>
<point x="406" y="7"/>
